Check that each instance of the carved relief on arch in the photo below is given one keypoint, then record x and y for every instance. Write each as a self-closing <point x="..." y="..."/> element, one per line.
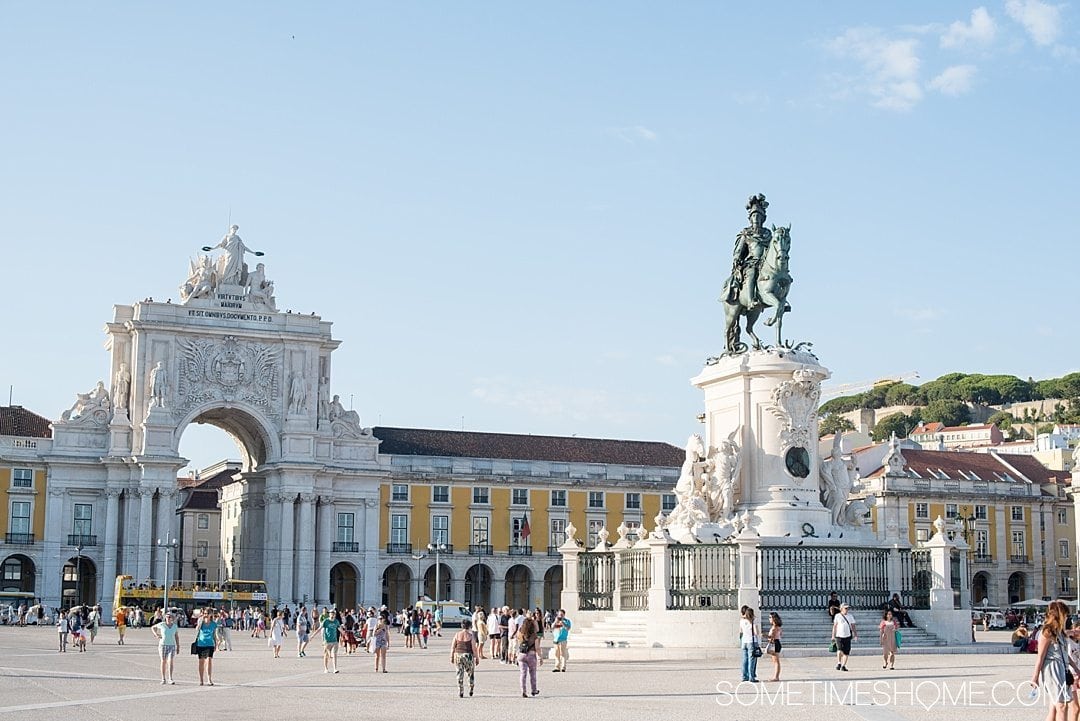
<point x="228" y="370"/>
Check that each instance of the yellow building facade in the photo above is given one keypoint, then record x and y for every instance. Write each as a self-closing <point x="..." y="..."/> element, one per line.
<point x="492" y="521"/>
<point x="1013" y="513"/>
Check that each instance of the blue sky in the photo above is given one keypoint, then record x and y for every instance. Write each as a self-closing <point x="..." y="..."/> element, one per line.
<point x="523" y="215"/>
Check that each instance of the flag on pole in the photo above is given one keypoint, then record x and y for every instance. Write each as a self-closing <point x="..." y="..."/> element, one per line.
<point x="525" y="531"/>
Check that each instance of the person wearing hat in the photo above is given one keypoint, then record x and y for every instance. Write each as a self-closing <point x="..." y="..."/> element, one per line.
<point x="168" y="641"/>
<point x="843" y="633"/>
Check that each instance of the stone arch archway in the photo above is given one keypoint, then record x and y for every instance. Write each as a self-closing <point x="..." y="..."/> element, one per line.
<point x="396" y="582"/>
<point x="254" y="433"/>
<point x="79" y="582"/>
<point x="1017" y="587"/>
<point x="343" y="585"/>
<point x="478" y="586"/>
<point x="553" y="583"/>
<point x="18" y="573"/>
<point x="980" y="589"/>
<point x="445" y="576"/>
<point x="518" y="580"/>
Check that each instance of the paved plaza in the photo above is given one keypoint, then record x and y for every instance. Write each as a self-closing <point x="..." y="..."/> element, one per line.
<point x="122" y="682"/>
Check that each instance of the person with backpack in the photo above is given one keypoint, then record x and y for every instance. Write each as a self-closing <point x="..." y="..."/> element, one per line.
<point x="528" y="654"/>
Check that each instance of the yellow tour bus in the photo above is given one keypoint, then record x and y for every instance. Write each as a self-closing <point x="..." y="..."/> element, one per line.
<point x="150" y="595"/>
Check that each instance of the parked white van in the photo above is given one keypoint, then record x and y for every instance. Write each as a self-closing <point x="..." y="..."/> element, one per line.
<point x="453" y="612"/>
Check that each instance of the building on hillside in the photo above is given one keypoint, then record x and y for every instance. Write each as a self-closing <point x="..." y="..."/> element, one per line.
<point x="202" y="548"/>
<point x="499" y="504"/>
<point x="24" y="437"/>
<point x="1011" y="510"/>
<point x="938" y="436"/>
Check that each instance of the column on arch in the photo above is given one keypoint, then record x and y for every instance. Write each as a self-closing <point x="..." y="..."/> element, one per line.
<point x="325" y="531"/>
<point x="272" y="547"/>
<point x="166" y="512"/>
<point x="145" y="542"/>
<point x="305" y="552"/>
<point x="109" y="566"/>
<point x="370" y="574"/>
<point x="52" y="564"/>
<point x="288" y="533"/>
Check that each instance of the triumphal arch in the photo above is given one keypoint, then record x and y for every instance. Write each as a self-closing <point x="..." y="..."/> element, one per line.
<point x="224" y="355"/>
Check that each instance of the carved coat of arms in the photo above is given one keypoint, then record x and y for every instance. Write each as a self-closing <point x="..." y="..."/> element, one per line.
<point x="795" y="403"/>
<point x="228" y="370"/>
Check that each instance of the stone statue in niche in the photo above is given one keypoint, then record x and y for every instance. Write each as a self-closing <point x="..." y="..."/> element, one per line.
<point x="122" y="388"/>
<point x="159" y="385"/>
<point x="297" y="394"/>
<point x="324" y="399"/>
<point x="726" y="463"/>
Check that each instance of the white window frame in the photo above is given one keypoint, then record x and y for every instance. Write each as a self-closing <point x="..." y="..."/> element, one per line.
<point x="596" y="495"/>
<point x="481" y="530"/>
<point x="481" y="496"/>
<point x="514" y="493"/>
<point x="922" y="510"/>
<point x="18" y="482"/>
<point x="1063" y="516"/>
<point x="558" y="498"/>
<point x="29" y="517"/>
<point x="346" y="527"/>
<point x="82" y="525"/>
<point x="668" y="501"/>
<point x="980" y="512"/>
<point x="1016" y="513"/>
<point x="1063" y="547"/>
<point x="1019" y="544"/>
<point x="202" y="549"/>
<point x="395" y="496"/>
<point x="440" y="529"/>
<point x="399" y="531"/>
<point x="437" y="490"/>
<point x="202" y="521"/>
<point x="593" y="526"/>
<point x="633" y="501"/>
<point x="557" y="532"/>
<point x="951" y="510"/>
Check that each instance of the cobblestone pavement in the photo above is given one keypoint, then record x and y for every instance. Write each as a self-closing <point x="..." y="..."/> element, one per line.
<point x="122" y="682"/>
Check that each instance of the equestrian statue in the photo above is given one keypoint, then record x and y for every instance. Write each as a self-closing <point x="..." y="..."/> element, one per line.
<point x="759" y="279"/>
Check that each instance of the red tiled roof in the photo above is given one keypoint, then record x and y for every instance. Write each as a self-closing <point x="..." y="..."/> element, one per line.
<point x="201" y="500"/>
<point x="934" y="427"/>
<point x="211" y="483"/>
<point x="986" y="466"/>
<point x="17" y="421"/>
<point x="507" y="446"/>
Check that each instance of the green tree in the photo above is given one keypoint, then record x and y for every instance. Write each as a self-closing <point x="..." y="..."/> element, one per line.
<point x="943" y="388"/>
<point x="834" y="423"/>
<point x="904" y="394"/>
<point x="842" y="404"/>
<point x="1002" y="419"/>
<point x="898" y="423"/>
<point x="948" y="411"/>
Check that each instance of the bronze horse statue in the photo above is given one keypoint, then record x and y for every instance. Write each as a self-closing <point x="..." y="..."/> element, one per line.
<point x="773" y="283"/>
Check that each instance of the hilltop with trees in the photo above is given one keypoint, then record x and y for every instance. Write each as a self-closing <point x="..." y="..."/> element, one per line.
<point x="949" y="400"/>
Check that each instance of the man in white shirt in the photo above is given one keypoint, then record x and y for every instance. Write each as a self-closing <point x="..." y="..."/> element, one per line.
<point x="843" y="633"/>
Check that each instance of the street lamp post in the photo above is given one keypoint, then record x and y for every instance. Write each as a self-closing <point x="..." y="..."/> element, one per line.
<point x="436" y="548"/>
<point x="78" y="574"/>
<point x="168" y="545"/>
<point x="479" y="540"/>
<point x="418" y="557"/>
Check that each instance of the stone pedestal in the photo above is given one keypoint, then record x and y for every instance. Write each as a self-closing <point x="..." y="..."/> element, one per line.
<point x="770" y="400"/>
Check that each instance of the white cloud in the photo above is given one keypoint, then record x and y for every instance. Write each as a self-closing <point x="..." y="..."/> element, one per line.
<point x="633" y="134"/>
<point x="955" y="80"/>
<point x="980" y="31"/>
<point x="890" y="66"/>
<point x="553" y="401"/>
<point x="1041" y="20"/>
<point x="920" y="315"/>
